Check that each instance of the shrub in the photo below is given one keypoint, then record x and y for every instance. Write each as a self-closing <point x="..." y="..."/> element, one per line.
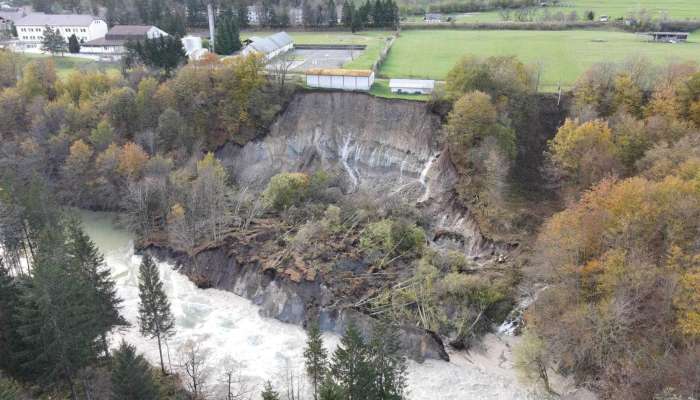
<point x="393" y="238"/>
<point x="286" y="189"/>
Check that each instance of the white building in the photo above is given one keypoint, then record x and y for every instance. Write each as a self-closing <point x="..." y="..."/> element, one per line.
<point x="411" y="86"/>
<point x="113" y="43"/>
<point x="344" y="79"/>
<point x="30" y="29"/>
<point x="270" y="46"/>
<point x="193" y="47"/>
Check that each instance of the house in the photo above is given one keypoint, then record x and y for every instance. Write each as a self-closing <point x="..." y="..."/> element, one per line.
<point x="113" y="43"/>
<point x="604" y="18"/>
<point x="432" y="18"/>
<point x="344" y="79"/>
<point x="670" y="37"/>
<point x="411" y="86"/>
<point x="270" y="46"/>
<point x="30" y="29"/>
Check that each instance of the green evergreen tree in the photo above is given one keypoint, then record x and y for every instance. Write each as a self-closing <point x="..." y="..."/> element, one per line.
<point x="269" y="393"/>
<point x="131" y="376"/>
<point x="228" y="39"/>
<point x="164" y="52"/>
<point x="56" y="320"/>
<point x="155" y="319"/>
<point x="91" y="267"/>
<point x="315" y="358"/>
<point x="73" y="44"/>
<point x="242" y="15"/>
<point x="330" y="390"/>
<point x="10" y="341"/>
<point x="348" y="10"/>
<point x="388" y="362"/>
<point x="351" y="368"/>
<point x="332" y="13"/>
<point x="53" y="41"/>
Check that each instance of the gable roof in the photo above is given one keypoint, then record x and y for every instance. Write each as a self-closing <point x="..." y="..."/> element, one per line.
<point x="42" y="19"/>
<point x="130" y="30"/>
<point x="271" y="43"/>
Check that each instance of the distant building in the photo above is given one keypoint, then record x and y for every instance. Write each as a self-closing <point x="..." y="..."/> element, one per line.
<point x="113" y="43"/>
<point x="411" y="86"/>
<point x="254" y="17"/>
<point x="296" y="16"/>
<point x="9" y="16"/>
<point x="344" y="79"/>
<point x="604" y="18"/>
<point x="30" y="29"/>
<point x="270" y="46"/>
<point x="193" y="47"/>
<point x="432" y="18"/>
<point x="670" y="37"/>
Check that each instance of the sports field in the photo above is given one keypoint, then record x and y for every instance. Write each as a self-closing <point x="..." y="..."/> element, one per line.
<point x="374" y="40"/>
<point x="561" y="55"/>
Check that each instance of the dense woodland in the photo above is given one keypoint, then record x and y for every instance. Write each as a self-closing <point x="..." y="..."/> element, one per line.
<point x="615" y="253"/>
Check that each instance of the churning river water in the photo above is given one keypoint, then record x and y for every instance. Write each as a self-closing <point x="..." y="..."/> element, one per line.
<point x="229" y="327"/>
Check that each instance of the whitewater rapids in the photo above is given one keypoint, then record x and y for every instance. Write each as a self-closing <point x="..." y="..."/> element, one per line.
<point x="229" y="326"/>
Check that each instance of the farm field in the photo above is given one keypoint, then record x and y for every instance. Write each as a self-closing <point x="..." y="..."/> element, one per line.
<point x="674" y="9"/>
<point x="561" y="55"/>
<point x="374" y="40"/>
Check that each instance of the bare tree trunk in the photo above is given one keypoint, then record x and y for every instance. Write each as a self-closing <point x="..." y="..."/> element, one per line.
<point x="160" y="352"/>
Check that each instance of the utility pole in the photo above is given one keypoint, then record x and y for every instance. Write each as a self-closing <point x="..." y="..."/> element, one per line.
<point x="210" y="15"/>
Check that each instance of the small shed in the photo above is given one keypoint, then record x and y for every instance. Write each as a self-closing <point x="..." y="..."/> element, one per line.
<point x="670" y="37"/>
<point x="344" y="79"/>
<point x="412" y="86"/>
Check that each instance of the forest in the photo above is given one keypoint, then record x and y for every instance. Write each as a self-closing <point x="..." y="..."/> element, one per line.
<point x="608" y="231"/>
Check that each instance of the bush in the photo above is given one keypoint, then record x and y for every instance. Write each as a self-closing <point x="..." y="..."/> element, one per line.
<point x="285" y="190"/>
<point x="391" y="237"/>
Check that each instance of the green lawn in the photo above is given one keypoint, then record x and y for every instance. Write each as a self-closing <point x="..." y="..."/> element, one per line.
<point x="562" y="55"/>
<point x="67" y="64"/>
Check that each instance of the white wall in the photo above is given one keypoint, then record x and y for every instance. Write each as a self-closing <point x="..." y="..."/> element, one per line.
<point x="340" y="82"/>
<point x="97" y="29"/>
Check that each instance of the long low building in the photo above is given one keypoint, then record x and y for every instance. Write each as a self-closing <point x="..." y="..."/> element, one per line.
<point x="114" y="42"/>
<point x="30" y="29"/>
<point x="344" y="79"/>
<point x="270" y="46"/>
<point x="412" y="86"/>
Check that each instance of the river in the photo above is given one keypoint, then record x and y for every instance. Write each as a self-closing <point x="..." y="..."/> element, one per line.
<point x="230" y="327"/>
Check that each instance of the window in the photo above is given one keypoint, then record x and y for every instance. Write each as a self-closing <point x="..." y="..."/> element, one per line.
<point x="82" y="30"/>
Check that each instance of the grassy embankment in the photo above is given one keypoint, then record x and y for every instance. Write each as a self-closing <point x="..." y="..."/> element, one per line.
<point x="561" y="55"/>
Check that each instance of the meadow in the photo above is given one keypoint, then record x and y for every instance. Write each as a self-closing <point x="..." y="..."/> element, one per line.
<point x="560" y="56"/>
<point x="673" y="9"/>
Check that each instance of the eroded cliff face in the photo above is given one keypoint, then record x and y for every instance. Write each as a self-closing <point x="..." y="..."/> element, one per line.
<point x="389" y="148"/>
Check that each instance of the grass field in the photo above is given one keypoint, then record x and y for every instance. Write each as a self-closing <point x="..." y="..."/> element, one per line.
<point x="674" y="9"/>
<point x="561" y="55"/>
<point x="66" y="64"/>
